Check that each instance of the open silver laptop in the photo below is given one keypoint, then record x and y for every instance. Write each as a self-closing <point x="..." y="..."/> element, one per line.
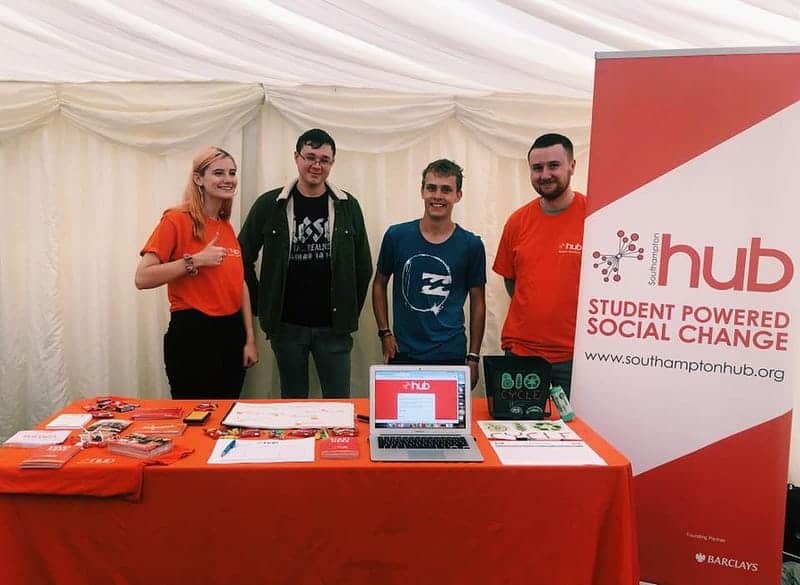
<point x="421" y="413"/>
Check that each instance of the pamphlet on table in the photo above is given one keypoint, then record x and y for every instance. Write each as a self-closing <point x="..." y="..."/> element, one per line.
<point x="109" y="426"/>
<point x="69" y="421"/>
<point x="36" y="438"/>
<point x="545" y="453"/>
<point x="339" y="448"/>
<point x="50" y="457"/>
<point x="527" y="430"/>
<point x="161" y="429"/>
<point x="140" y="446"/>
<point x="262" y="451"/>
<point x="537" y="442"/>
<point x="157" y="413"/>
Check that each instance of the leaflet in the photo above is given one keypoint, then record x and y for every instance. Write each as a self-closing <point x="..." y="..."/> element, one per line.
<point x="548" y="453"/>
<point x="527" y="430"/>
<point x="36" y="438"/>
<point x="69" y="421"/>
<point x="262" y="451"/>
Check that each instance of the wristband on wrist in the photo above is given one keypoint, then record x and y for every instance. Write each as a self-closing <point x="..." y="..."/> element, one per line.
<point x="473" y="357"/>
<point x="188" y="264"/>
<point x="384" y="333"/>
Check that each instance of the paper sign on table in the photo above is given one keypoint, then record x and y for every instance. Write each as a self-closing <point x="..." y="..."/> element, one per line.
<point x="36" y="438"/>
<point x="545" y="453"/>
<point x="291" y="415"/>
<point x="262" y="451"/>
<point x="70" y="421"/>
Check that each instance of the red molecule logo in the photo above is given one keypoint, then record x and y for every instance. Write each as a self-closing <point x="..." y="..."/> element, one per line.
<point x="609" y="263"/>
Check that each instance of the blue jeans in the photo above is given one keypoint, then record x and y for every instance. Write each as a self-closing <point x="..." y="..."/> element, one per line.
<point x="561" y="374"/>
<point x="291" y="345"/>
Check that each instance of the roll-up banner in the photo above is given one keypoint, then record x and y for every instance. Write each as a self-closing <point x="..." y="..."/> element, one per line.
<point x="686" y="354"/>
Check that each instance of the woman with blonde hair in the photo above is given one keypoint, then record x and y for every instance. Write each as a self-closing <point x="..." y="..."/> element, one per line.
<point x="194" y="251"/>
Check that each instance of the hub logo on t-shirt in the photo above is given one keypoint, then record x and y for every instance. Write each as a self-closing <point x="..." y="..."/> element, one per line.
<point x="426" y="283"/>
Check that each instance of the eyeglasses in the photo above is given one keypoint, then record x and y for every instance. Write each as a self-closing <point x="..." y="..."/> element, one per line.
<point x="313" y="160"/>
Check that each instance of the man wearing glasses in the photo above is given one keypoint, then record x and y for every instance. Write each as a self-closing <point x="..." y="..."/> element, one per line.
<point x="315" y="270"/>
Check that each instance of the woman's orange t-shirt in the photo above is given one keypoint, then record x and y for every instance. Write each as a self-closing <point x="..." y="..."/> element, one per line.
<point x="216" y="290"/>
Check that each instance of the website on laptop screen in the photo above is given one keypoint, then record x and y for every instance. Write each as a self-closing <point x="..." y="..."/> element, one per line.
<point x="420" y="399"/>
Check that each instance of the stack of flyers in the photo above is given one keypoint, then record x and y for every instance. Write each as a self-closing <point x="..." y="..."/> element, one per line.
<point x="140" y="446"/>
<point x="36" y="438"/>
<point x="162" y="429"/>
<point x="156" y="413"/>
<point x="70" y="421"/>
<point x="109" y="427"/>
<point x="50" y="457"/>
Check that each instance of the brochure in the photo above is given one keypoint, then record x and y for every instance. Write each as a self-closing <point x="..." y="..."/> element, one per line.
<point x="157" y="413"/>
<point x="50" y="457"/>
<point x="258" y="451"/>
<point x="141" y="446"/>
<point x="527" y="430"/>
<point x="36" y="438"/>
<point x="161" y="429"/>
<point x="549" y="453"/>
<point x="109" y="426"/>
<point x="69" y="421"/>
<point x="339" y="448"/>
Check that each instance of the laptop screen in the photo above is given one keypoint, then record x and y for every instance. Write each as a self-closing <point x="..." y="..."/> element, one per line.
<point x="416" y="397"/>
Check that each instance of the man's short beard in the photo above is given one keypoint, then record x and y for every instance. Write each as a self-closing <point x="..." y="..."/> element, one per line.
<point x="553" y="194"/>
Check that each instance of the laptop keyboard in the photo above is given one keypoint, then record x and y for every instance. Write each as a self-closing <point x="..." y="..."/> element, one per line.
<point x="416" y="442"/>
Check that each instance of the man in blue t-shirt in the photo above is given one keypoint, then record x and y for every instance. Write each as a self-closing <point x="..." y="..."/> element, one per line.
<point x="435" y="264"/>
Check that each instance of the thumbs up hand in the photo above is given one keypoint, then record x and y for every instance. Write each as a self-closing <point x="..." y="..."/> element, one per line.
<point x="211" y="255"/>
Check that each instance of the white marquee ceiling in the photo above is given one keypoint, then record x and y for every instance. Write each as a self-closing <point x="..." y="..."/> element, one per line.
<point x="446" y="46"/>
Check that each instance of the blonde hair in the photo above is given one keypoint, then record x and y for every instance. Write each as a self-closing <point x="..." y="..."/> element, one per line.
<point x="193" y="195"/>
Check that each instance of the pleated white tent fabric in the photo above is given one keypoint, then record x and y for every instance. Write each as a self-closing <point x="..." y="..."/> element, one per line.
<point x="102" y="104"/>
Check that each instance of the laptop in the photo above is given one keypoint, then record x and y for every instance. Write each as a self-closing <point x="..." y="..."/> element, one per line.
<point x="421" y="413"/>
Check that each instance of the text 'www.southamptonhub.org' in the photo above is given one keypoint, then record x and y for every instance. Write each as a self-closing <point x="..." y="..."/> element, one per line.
<point x="702" y="366"/>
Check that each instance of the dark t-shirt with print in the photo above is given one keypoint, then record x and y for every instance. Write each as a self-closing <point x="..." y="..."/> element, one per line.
<point x="307" y="298"/>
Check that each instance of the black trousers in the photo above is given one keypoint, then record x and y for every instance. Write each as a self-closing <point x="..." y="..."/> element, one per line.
<point x="203" y="355"/>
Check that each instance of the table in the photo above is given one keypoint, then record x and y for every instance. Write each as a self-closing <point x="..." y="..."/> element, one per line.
<point x="330" y="522"/>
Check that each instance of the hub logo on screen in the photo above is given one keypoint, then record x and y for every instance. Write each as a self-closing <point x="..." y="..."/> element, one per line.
<point x="414" y="385"/>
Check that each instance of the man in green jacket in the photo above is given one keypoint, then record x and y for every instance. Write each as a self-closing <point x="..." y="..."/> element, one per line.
<point x="315" y="270"/>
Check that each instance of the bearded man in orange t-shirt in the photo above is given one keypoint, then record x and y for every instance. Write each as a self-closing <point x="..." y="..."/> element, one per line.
<point x="539" y="257"/>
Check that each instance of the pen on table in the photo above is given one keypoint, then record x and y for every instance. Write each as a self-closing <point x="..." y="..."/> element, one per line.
<point x="228" y="448"/>
<point x="363" y="418"/>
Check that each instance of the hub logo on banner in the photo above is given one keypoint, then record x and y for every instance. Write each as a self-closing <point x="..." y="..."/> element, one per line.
<point x="713" y="325"/>
<point x="686" y="353"/>
<point x="746" y="269"/>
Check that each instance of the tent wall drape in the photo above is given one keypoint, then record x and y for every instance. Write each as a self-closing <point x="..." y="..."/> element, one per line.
<point x="89" y="168"/>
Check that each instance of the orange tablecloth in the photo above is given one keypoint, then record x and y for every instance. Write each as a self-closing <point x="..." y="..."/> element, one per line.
<point x="348" y="522"/>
